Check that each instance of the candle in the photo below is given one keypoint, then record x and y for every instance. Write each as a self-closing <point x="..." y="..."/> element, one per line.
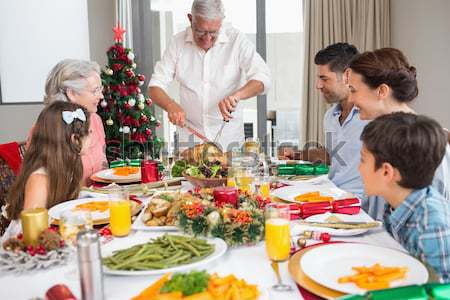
<point x="34" y="222"/>
<point x="226" y="195"/>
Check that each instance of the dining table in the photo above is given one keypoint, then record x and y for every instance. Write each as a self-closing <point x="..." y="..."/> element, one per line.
<point x="248" y="262"/>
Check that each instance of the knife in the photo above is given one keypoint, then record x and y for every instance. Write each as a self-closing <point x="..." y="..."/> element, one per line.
<point x="343" y="225"/>
<point x="196" y="133"/>
<point x="219" y="133"/>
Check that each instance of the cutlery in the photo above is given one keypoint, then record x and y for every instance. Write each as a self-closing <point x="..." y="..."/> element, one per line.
<point x="196" y="133"/>
<point x="343" y="225"/>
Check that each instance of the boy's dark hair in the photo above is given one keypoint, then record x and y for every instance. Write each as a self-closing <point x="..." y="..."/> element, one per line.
<point x="413" y="144"/>
<point x="336" y="56"/>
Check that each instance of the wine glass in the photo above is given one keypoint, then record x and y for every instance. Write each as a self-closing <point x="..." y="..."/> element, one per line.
<point x="73" y="221"/>
<point x="278" y="239"/>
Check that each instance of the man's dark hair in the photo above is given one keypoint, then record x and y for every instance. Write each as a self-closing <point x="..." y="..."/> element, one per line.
<point x="413" y="144"/>
<point x="336" y="56"/>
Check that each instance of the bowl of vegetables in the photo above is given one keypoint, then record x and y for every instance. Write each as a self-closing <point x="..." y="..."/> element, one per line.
<point x="210" y="174"/>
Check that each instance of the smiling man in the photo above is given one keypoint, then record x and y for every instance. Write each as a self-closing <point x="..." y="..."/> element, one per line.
<point x="216" y="66"/>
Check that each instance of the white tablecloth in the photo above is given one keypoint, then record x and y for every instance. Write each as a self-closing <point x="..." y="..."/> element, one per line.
<point x="250" y="263"/>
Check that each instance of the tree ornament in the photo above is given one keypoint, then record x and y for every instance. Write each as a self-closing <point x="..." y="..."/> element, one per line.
<point x="108" y="71"/>
<point x="137" y="90"/>
<point x="132" y="102"/>
<point x="141" y="77"/>
<point x="158" y="124"/>
<point x="133" y="65"/>
<point x="118" y="33"/>
<point x="127" y="106"/>
<point x="148" y="131"/>
<point x="149" y="101"/>
<point x="143" y="118"/>
<point x="130" y="73"/>
<point x="121" y="129"/>
<point x="109" y="122"/>
<point x="141" y="106"/>
<point x="103" y="104"/>
<point x="134" y="130"/>
<point x="141" y="98"/>
<point x="130" y="55"/>
<point x="140" y="83"/>
<point x="152" y="119"/>
<point x="126" y="129"/>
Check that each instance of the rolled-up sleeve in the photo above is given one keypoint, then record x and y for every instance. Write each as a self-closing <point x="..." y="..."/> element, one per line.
<point x="251" y="62"/>
<point x="164" y="71"/>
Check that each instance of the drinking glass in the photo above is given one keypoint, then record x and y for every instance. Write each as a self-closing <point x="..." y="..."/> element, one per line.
<point x="278" y="239"/>
<point x="119" y="212"/>
<point x="71" y="222"/>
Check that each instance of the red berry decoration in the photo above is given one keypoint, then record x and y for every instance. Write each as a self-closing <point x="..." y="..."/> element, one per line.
<point x="61" y="244"/>
<point x="325" y="237"/>
<point x="20" y="236"/>
<point x="30" y="250"/>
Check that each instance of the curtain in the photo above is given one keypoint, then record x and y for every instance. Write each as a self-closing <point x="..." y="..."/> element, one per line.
<point x="363" y="23"/>
<point x="124" y="17"/>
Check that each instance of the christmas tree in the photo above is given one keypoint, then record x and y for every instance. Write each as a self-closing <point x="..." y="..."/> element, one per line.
<point x="127" y="117"/>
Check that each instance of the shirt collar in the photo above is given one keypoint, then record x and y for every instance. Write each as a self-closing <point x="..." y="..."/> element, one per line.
<point x="337" y="110"/>
<point x="401" y="214"/>
<point x="222" y="38"/>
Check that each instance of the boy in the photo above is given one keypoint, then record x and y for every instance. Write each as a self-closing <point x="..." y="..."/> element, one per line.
<point x="400" y="154"/>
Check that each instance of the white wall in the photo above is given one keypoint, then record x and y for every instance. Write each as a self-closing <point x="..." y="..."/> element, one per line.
<point x="16" y="119"/>
<point x="421" y="29"/>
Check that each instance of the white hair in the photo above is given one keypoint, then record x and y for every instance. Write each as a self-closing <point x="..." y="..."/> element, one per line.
<point x="68" y="74"/>
<point x="208" y="9"/>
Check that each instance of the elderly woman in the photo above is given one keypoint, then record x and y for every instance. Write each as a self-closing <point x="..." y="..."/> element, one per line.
<point x="383" y="82"/>
<point x="78" y="81"/>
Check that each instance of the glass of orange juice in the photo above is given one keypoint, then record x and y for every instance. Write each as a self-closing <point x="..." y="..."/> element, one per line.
<point x="264" y="187"/>
<point x="278" y="238"/>
<point x="119" y="212"/>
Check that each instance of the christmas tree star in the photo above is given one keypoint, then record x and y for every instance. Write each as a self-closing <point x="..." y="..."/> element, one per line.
<point x="118" y="33"/>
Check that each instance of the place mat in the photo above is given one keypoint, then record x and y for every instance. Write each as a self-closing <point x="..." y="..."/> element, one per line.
<point x="137" y="189"/>
<point x="309" y="289"/>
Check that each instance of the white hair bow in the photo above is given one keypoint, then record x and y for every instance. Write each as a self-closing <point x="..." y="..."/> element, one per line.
<point x="69" y="116"/>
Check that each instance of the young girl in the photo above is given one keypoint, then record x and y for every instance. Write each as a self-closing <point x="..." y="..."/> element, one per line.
<point x="51" y="171"/>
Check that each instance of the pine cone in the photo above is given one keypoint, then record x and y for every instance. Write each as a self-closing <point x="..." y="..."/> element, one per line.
<point x="49" y="239"/>
<point x="13" y="244"/>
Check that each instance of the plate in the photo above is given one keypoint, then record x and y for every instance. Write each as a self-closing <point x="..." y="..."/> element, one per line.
<point x="304" y="281"/>
<point x="56" y="210"/>
<point x="108" y="175"/>
<point x="361" y="217"/>
<point x="127" y="242"/>
<point x="326" y="264"/>
<point x="288" y="193"/>
<point x="98" y="218"/>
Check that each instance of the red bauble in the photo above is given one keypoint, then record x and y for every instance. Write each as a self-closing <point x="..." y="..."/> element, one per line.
<point x="148" y="131"/>
<point x="158" y="124"/>
<point x="116" y="67"/>
<point x="138" y="90"/>
<point x="126" y="106"/>
<point x="136" y="123"/>
<point x="143" y="118"/>
<point x="129" y="73"/>
<point x="141" y="77"/>
<point x="149" y="101"/>
<point x="123" y="92"/>
<point x="131" y="89"/>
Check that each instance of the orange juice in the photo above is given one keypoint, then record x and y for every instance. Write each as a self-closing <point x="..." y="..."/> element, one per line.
<point x="278" y="239"/>
<point x="120" y="217"/>
<point x="244" y="183"/>
<point x="264" y="189"/>
<point x="231" y="182"/>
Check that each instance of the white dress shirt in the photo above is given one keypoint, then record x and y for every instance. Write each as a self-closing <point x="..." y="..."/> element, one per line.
<point x="208" y="77"/>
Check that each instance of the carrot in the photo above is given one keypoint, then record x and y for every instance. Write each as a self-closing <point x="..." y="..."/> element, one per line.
<point x="153" y="289"/>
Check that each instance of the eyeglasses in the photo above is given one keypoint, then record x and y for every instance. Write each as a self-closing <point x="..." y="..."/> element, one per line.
<point x="203" y="33"/>
<point x="97" y="90"/>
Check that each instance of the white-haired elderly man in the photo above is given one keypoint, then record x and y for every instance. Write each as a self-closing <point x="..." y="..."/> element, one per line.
<point x="216" y="66"/>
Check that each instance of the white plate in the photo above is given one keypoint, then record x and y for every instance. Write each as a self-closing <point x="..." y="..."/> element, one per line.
<point x="55" y="211"/>
<point x="124" y="243"/>
<point x="325" y="264"/>
<point x="108" y="174"/>
<point x="288" y="193"/>
<point x="361" y="217"/>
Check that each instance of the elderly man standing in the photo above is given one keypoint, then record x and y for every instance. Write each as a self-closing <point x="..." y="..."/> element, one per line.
<point x="216" y="66"/>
